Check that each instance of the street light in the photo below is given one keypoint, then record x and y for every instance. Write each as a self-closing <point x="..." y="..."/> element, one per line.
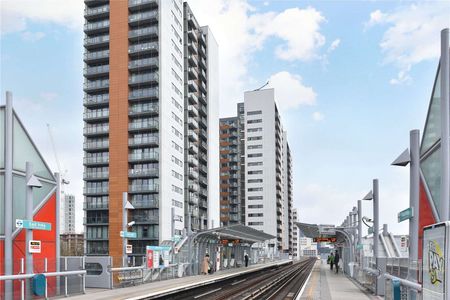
<point x="126" y="206"/>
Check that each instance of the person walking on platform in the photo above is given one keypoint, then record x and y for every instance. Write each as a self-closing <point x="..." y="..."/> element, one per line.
<point x="331" y="260"/>
<point x="336" y="261"/>
<point x="205" y="264"/>
<point x="246" y="259"/>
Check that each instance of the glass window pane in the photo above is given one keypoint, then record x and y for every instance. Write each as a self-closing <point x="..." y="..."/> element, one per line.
<point x="2" y="202"/>
<point x="432" y="131"/>
<point x="2" y="138"/>
<point x="431" y="168"/>
<point x="23" y="151"/>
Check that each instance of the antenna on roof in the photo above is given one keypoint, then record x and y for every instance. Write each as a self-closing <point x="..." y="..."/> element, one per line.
<point x="261" y="87"/>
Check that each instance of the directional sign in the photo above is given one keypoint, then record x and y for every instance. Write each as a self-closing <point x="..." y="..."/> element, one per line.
<point x="324" y="240"/>
<point x="405" y="214"/>
<point x="27" y="224"/>
<point x="128" y="234"/>
<point x="176" y="238"/>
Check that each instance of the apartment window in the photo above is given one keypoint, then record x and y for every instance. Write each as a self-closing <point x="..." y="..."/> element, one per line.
<point x="255" y="181"/>
<point x="257" y="129"/>
<point x="177" y="133"/>
<point x="254" y="155"/>
<point x="255" y="198"/>
<point x="177" y="203"/>
<point x="255" y="215"/>
<point x="177" y="175"/>
<point x="252" y="164"/>
<point x="256" y="206"/>
<point x="258" y="189"/>
<point x="177" y="77"/>
<point x="176" y="20"/>
<point x="177" y="63"/>
<point x="177" y="105"/>
<point x="177" y="35"/>
<point x="254" y="147"/>
<point x="177" y="147"/>
<point x="256" y="223"/>
<point x="254" y="112"/>
<point x="177" y="119"/>
<point x="177" y="8"/>
<point x="176" y="90"/>
<point x="177" y="190"/>
<point x="254" y="121"/>
<point x="254" y="138"/>
<point x="177" y="161"/>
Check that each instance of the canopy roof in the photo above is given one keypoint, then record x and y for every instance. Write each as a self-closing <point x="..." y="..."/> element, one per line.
<point x="238" y="231"/>
<point x="308" y="230"/>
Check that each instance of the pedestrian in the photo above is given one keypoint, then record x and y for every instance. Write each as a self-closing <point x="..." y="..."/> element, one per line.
<point x="246" y="259"/>
<point x="336" y="261"/>
<point x="331" y="260"/>
<point x="205" y="264"/>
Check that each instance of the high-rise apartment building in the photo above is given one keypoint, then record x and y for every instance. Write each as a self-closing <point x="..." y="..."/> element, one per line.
<point x="201" y="124"/>
<point x="68" y="214"/>
<point x="135" y="119"/>
<point x="295" y="235"/>
<point x="262" y="164"/>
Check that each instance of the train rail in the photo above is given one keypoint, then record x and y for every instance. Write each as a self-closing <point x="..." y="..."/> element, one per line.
<point x="280" y="283"/>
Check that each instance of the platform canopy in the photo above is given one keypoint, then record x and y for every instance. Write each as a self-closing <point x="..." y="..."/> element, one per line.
<point x="308" y="230"/>
<point x="233" y="232"/>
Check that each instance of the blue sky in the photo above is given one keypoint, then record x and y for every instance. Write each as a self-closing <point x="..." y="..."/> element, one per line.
<point x="351" y="77"/>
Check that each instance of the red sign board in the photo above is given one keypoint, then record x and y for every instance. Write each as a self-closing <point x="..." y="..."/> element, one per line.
<point x="149" y="259"/>
<point x="325" y="240"/>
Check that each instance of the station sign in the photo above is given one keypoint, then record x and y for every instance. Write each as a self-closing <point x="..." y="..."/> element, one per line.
<point x="35" y="225"/>
<point x="324" y="240"/>
<point x="405" y="214"/>
<point x="327" y="230"/>
<point x="129" y="249"/>
<point x="128" y="234"/>
<point x="34" y="246"/>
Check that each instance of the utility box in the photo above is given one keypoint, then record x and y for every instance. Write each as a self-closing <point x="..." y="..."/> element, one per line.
<point x="435" y="263"/>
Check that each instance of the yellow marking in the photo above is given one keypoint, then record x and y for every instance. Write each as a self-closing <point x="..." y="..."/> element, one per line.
<point x="313" y="285"/>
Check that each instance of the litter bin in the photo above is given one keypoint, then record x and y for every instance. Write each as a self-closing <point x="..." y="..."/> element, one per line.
<point x="38" y="284"/>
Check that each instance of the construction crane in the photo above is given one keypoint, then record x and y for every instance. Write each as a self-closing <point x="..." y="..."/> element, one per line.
<point x="63" y="175"/>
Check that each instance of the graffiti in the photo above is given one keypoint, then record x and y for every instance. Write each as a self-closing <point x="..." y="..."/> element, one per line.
<point x="435" y="263"/>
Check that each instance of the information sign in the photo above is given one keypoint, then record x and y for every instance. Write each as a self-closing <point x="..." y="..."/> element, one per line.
<point x="34" y="246"/>
<point x="129" y="249"/>
<point x="405" y="214"/>
<point x="128" y="234"/>
<point x="27" y="224"/>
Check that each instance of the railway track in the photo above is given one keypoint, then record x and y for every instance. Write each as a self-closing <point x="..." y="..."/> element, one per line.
<point x="281" y="283"/>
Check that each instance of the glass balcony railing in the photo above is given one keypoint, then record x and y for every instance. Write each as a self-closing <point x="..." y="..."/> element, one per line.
<point x="193" y="123"/>
<point x="152" y="188"/>
<point x="193" y="110"/>
<point x="144" y="47"/>
<point x="96" y="55"/>
<point x="92" y="26"/>
<point x="148" y="93"/>
<point x="96" y="175"/>
<point x="95" y="190"/>
<point x="96" y="130"/>
<point x="97" y="40"/>
<point x="95" y="220"/>
<point x="145" y="218"/>
<point x="143" y="156"/>
<point x="96" y="70"/>
<point x="143" y="63"/>
<point x="96" y="145"/>
<point x="143" y="16"/>
<point x="96" y="85"/>
<point x="193" y="87"/>
<point x="94" y="160"/>
<point x="99" y="10"/>
<point x="95" y="205"/>
<point x="142" y="109"/>
<point x="141" y="2"/>
<point x="143" y="32"/>
<point x="154" y="172"/>
<point x="142" y="125"/>
<point x="96" y="114"/>
<point x="145" y="203"/>
<point x="140" y="141"/>
<point x="193" y="135"/>
<point x="143" y="78"/>
<point x="96" y="99"/>
<point x="192" y="160"/>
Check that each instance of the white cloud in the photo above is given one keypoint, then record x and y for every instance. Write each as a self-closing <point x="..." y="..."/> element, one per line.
<point x="29" y="36"/>
<point x="290" y="92"/>
<point x="334" y="45"/>
<point x="376" y="17"/>
<point x="16" y="13"/>
<point x="318" y="116"/>
<point x="241" y="31"/>
<point x="413" y="35"/>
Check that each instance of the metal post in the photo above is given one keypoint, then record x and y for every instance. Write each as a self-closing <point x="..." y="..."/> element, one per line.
<point x="360" y="231"/>
<point x="124" y="227"/>
<point x="414" y="182"/>
<point x="376" y="226"/>
<point x="8" y="195"/>
<point x="28" y="232"/>
<point x="173" y="221"/>
<point x="445" y="126"/>
<point x="58" y="228"/>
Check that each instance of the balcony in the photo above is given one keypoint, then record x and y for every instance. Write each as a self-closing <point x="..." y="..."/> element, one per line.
<point x="203" y="87"/>
<point x="193" y="212"/>
<point x="95" y="206"/>
<point x="203" y="111"/>
<point x="143" y="188"/>
<point x="192" y="47"/>
<point x="143" y="64"/>
<point x="143" y="48"/>
<point x="202" y="62"/>
<point x="203" y="122"/>
<point x="203" y="181"/>
<point x="192" y="35"/>
<point x="192" y="99"/>
<point x="203" y="99"/>
<point x="193" y="111"/>
<point x="90" y="72"/>
<point x="96" y="86"/>
<point x="193" y="136"/>
<point x="192" y="160"/>
<point x="202" y="50"/>
<point x="193" y="124"/>
<point x="203" y="157"/>
<point x="143" y="157"/>
<point x="192" y="60"/>
<point x="96" y="160"/>
<point x="193" y="198"/>
<point x="204" y="145"/>
<point x="141" y="79"/>
<point x="96" y="100"/>
<point x="193" y="187"/>
<point x="145" y="219"/>
<point x="143" y="94"/>
<point x="203" y="203"/>
<point x="192" y="72"/>
<point x="93" y="191"/>
<point x="96" y="145"/>
<point x="202" y="74"/>
<point x="96" y="42"/>
<point x="96" y="27"/>
<point x="96" y="115"/>
<point x="146" y="32"/>
<point x="143" y="141"/>
<point x="95" y="175"/>
<point x="96" y="130"/>
<point x="192" y="85"/>
<point x="145" y="203"/>
<point x="145" y="109"/>
<point x="151" y="125"/>
<point x="142" y="18"/>
<point x="93" y="237"/>
<point x="204" y="170"/>
<point x="193" y="173"/>
<point x="141" y="173"/>
<point x="202" y="39"/>
<point x="134" y="5"/>
<point x="96" y="56"/>
<point x="96" y="220"/>
<point x="92" y="13"/>
<point x="203" y="133"/>
<point x="193" y="148"/>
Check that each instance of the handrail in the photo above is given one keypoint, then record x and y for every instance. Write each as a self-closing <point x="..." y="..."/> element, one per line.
<point x="407" y="283"/>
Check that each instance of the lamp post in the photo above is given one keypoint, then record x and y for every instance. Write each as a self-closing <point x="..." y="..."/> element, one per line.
<point x="126" y="206"/>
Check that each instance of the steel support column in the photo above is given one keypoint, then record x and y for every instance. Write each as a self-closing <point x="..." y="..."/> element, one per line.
<point x="445" y="126"/>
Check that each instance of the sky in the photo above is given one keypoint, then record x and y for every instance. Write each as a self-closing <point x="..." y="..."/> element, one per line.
<point x="351" y="78"/>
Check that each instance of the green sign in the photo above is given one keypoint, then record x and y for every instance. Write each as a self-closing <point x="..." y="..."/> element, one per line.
<point x="128" y="234"/>
<point x="359" y="246"/>
<point x="405" y="214"/>
<point x="28" y="224"/>
<point x="370" y="231"/>
<point x="176" y="238"/>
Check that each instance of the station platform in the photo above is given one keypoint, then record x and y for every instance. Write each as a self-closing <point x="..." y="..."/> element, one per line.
<point x="166" y="287"/>
<point x="324" y="284"/>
